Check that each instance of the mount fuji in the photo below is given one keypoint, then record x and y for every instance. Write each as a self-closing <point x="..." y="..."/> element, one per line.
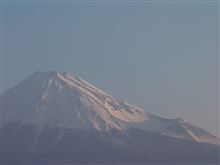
<point x="58" y="118"/>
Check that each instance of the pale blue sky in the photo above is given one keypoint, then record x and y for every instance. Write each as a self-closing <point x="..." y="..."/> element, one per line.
<point x="161" y="57"/>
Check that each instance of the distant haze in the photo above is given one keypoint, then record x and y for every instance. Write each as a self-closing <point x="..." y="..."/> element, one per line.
<point x="163" y="58"/>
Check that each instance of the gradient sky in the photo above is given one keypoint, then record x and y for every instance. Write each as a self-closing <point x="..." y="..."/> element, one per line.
<point x="162" y="57"/>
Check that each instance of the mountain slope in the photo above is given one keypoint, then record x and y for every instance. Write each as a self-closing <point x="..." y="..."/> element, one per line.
<point x="58" y="118"/>
<point x="66" y="101"/>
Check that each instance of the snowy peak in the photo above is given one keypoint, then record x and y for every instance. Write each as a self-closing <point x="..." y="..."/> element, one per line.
<point x="65" y="101"/>
<point x="63" y="79"/>
<point x="62" y="100"/>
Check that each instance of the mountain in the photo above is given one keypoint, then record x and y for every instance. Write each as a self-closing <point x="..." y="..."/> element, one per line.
<point x="57" y="117"/>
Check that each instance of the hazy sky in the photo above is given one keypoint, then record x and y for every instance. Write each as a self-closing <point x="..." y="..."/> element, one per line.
<point x="162" y="57"/>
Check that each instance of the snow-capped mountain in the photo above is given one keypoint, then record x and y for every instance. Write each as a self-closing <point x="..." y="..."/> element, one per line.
<point x="66" y="101"/>
<point x="58" y="113"/>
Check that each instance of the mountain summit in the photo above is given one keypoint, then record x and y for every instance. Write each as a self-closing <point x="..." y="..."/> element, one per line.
<point x="49" y="107"/>
<point x="65" y="101"/>
<point x="58" y="99"/>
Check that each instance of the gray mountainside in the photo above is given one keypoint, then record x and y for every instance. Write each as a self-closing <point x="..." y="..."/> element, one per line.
<point x="55" y="117"/>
